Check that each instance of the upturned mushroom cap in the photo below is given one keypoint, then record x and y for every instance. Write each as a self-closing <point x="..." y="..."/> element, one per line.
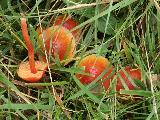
<point x="25" y="73"/>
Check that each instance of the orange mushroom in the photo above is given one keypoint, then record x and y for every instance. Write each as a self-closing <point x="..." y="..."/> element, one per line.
<point x="59" y="41"/>
<point x="128" y="75"/>
<point x="68" y="23"/>
<point x="30" y="71"/>
<point x="38" y="30"/>
<point x="94" y="65"/>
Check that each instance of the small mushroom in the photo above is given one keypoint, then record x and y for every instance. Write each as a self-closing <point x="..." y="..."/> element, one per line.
<point x="93" y="65"/>
<point x="31" y="71"/>
<point x="58" y="40"/>
<point x="69" y="23"/>
<point x="127" y="75"/>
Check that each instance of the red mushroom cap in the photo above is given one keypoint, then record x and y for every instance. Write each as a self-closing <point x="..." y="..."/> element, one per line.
<point x="132" y="74"/>
<point x="69" y="23"/>
<point x="61" y="40"/>
<point x="94" y="65"/>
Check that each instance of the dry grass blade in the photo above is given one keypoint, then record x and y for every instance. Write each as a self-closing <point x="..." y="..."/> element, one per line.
<point x="79" y="6"/>
<point x="156" y="5"/>
<point x="57" y="98"/>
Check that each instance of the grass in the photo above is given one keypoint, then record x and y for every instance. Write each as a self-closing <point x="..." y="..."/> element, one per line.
<point x="127" y="32"/>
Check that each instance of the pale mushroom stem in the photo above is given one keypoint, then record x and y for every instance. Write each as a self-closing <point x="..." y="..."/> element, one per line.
<point x="29" y="45"/>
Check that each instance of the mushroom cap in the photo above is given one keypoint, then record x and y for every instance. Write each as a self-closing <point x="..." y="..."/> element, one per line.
<point x="94" y="65"/>
<point x="69" y="23"/>
<point x="61" y="40"/>
<point x="38" y="29"/>
<point x="25" y="73"/>
<point x="130" y="73"/>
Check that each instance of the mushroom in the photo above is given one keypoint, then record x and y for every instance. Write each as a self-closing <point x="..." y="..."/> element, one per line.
<point x="127" y="75"/>
<point x="94" y="65"/>
<point x="31" y="71"/>
<point x="58" y="40"/>
<point x="69" y="23"/>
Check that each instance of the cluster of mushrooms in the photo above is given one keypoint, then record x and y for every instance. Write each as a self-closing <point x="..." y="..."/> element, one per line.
<point x="59" y="41"/>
